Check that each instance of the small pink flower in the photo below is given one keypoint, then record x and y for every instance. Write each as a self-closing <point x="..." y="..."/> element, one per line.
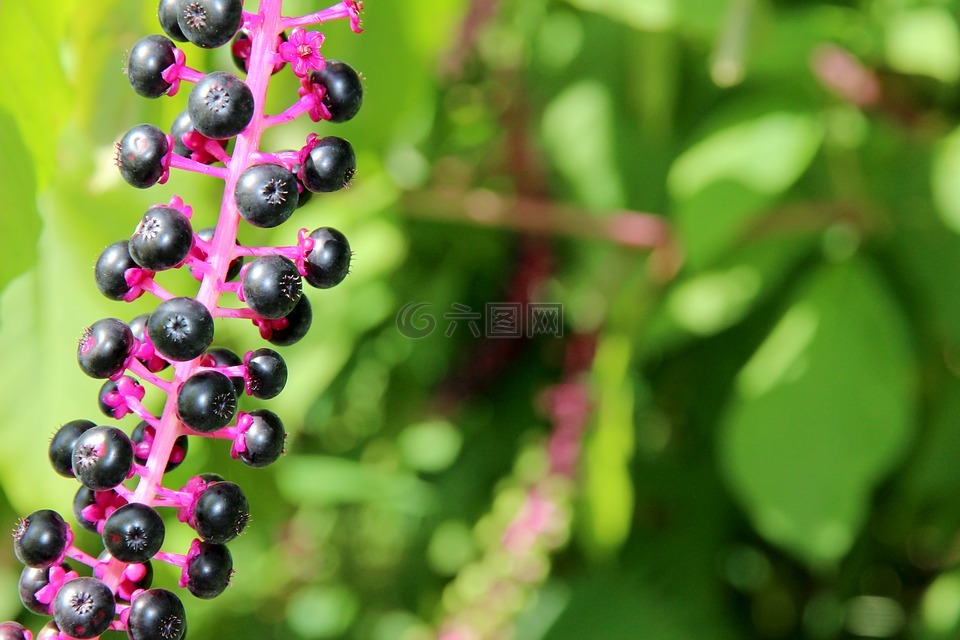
<point x="302" y="51"/>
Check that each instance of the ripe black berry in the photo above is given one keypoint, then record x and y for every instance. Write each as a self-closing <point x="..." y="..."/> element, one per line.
<point x="183" y="125"/>
<point x="328" y="263"/>
<point x="210" y="23"/>
<point x="140" y="155"/>
<point x="84" y="608"/>
<point x="31" y="581"/>
<point x="330" y="165"/>
<point x="264" y="439"/>
<point x="156" y="614"/>
<point x="266" y="195"/>
<point x="180" y="329"/>
<point x="109" y="387"/>
<point x="167" y="13"/>
<point x="111" y="265"/>
<point x="221" y="357"/>
<point x="13" y="631"/>
<point x="102" y="458"/>
<point x="220" y="105"/>
<point x="84" y="498"/>
<point x="266" y="374"/>
<point x="148" y="58"/>
<point x="104" y="348"/>
<point x="133" y="533"/>
<point x="61" y="446"/>
<point x="49" y="631"/>
<point x="162" y="239"/>
<point x="298" y="324"/>
<point x="271" y="286"/>
<point x="40" y="539"/>
<point x="221" y="512"/>
<point x="180" y="446"/>
<point x="208" y="572"/>
<point x="344" y="90"/>
<point x="207" y="401"/>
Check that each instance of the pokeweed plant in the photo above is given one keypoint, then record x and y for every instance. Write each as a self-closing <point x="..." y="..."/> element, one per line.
<point x="172" y="348"/>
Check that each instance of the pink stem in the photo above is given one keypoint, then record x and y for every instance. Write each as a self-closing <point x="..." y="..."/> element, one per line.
<point x="137" y="367"/>
<point x="297" y="109"/>
<point x="336" y="12"/>
<point x="293" y="253"/>
<point x="80" y="556"/>
<point x="244" y="313"/>
<point x="187" y="164"/>
<point x="286" y="158"/>
<point x="150" y="286"/>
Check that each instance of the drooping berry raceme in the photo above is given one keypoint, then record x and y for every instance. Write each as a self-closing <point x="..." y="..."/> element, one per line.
<point x="170" y="350"/>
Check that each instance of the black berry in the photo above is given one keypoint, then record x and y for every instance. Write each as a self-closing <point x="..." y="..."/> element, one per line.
<point x="84" y="608"/>
<point x="61" y="446"/>
<point x="208" y="572"/>
<point x="156" y="614"/>
<point x="147" y="61"/>
<point x="330" y="165"/>
<point x="144" y="431"/>
<point x="49" y="631"/>
<point x="104" y="348"/>
<point x="40" y="539"/>
<point x="84" y="498"/>
<point x="271" y="286"/>
<point x="133" y="533"/>
<point x="102" y="458"/>
<point x="298" y="324"/>
<point x="13" y="631"/>
<point x="344" y="90"/>
<point x="221" y="512"/>
<point x="183" y="126"/>
<point x="180" y="329"/>
<point x="162" y="239"/>
<point x="266" y="195"/>
<point x="264" y="439"/>
<point x="221" y="357"/>
<point x="328" y="263"/>
<point x="31" y="581"/>
<point x="220" y="105"/>
<point x="140" y="155"/>
<point x="111" y="266"/>
<point x="210" y="23"/>
<point x="266" y="374"/>
<point x="109" y="387"/>
<point x="207" y="401"/>
<point x="167" y="14"/>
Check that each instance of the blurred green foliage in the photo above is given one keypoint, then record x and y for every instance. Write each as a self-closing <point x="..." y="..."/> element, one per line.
<point x="774" y="442"/>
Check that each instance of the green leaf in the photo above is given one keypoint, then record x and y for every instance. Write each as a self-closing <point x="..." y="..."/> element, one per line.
<point x="20" y="226"/>
<point x="820" y="413"/>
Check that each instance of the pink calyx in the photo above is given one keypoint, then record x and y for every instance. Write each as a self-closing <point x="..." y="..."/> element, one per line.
<point x="319" y="110"/>
<point x="244" y="422"/>
<point x="57" y="576"/>
<point x="105" y="503"/>
<point x="179" y="71"/>
<point x="191" y="554"/>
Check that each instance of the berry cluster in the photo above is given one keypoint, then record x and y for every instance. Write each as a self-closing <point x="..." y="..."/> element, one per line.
<point x="172" y="349"/>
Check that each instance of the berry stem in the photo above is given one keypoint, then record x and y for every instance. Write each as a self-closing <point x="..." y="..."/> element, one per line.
<point x="291" y="253"/>
<point x="297" y="109"/>
<point x="345" y="9"/>
<point x="80" y="556"/>
<point x="187" y="164"/>
<point x="242" y="314"/>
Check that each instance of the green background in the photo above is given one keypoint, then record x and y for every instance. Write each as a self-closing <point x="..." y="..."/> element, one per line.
<point x="773" y="442"/>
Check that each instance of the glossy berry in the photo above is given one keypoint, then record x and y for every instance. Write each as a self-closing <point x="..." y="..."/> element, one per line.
<point x="147" y="61"/>
<point x="104" y="348"/>
<point x="60" y="450"/>
<point x="266" y="195"/>
<point x="221" y="512"/>
<point x="108" y="388"/>
<point x="297" y="324"/>
<point x="183" y="126"/>
<point x="264" y="440"/>
<point x="240" y="51"/>
<point x="266" y="374"/>
<point x="167" y="14"/>
<point x="13" y="631"/>
<point x="110" y="269"/>
<point x="133" y="533"/>
<point x="208" y="572"/>
<point x="40" y="539"/>
<point x="140" y="155"/>
<point x="305" y="194"/>
<point x="207" y="401"/>
<point x="271" y="286"/>
<point x="102" y="458"/>
<point x="330" y="165"/>
<point x="49" y="631"/>
<point x="31" y="581"/>
<point x="84" y="608"/>
<point x="138" y="326"/>
<point x="144" y="433"/>
<point x="221" y="357"/>
<point x="180" y="329"/>
<point x="156" y="614"/>
<point x="210" y="23"/>
<point x="328" y="263"/>
<point x="84" y="498"/>
<point x="233" y="270"/>
<point x="220" y="105"/>
<point x="162" y="239"/>
<point x="344" y="90"/>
